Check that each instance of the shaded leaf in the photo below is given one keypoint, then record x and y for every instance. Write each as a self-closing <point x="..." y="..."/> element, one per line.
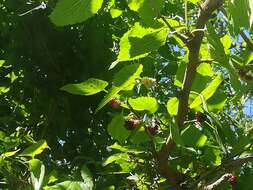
<point x="37" y="170"/>
<point x="87" y="177"/>
<point x="140" y="136"/>
<point x="117" y="130"/>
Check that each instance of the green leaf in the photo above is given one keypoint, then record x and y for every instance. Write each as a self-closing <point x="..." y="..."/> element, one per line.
<point x="193" y="137"/>
<point x="87" y="177"/>
<point x="117" y="130"/>
<point x="115" y="12"/>
<point x="245" y="18"/>
<point x="144" y="103"/>
<point x="217" y="101"/>
<point x="35" y="149"/>
<point x="116" y="146"/>
<point x="208" y="92"/>
<point x="140" y="136"/>
<point x="205" y="69"/>
<point x="86" y="88"/>
<point x="115" y="157"/>
<point x="37" y="170"/>
<point x="9" y="154"/>
<point x="212" y="156"/>
<point x="74" y="11"/>
<point x="69" y="185"/>
<point x="51" y="177"/>
<point x="226" y="42"/>
<point x="138" y="42"/>
<point x="194" y="1"/>
<point x="147" y="10"/>
<point x="175" y="134"/>
<point x="2" y="62"/>
<point x="172" y="106"/>
<point x="122" y="80"/>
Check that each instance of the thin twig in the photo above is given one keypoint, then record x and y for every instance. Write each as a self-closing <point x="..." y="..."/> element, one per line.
<point x="174" y="31"/>
<point x="218" y="182"/>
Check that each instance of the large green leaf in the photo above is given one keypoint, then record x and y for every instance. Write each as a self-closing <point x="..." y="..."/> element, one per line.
<point x="124" y="79"/>
<point x="115" y="157"/>
<point x="207" y="92"/>
<point x="35" y="149"/>
<point x="117" y="130"/>
<point x="172" y="106"/>
<point x="245" y="18"/>
<point x="86" y="88"/>
<point x="69" y="185"/>
<point x="74" y="11"/>
<point x="147" y="9"/>
<point x="138" y="42"/>
<point x="140" y="136"/>
<point x="175" y="134"/>
<point x="217" y="101"/>
<point x="193" y="137"/>
<point x="144" y="103"/>
<point x="37" y="170"/>
<point x="87" y="177"/>
<point x="212" y="156"/>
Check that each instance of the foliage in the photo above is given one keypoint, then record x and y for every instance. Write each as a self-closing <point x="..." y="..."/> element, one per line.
<point x="179" y="73"/>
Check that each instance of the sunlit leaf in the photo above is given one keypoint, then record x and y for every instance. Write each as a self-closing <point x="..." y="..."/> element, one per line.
<point x="114" y="158"/>
<point x="208" y="92"/>
<point x="9" y="154"/>
<point x="226" y="42"/>
<point x="172" y="106"/>
<point x="122" y="80"/>
<point x="2" y="62"/>
<point x="69" y="185"/>
<point x="205" y="69"/>
<point x="115" y="12"/>
<point x="138" y="42"/>
<point x="146" y="9"/>
<point x="144" y="103"/>
<point x="86" y="88"/>
<point x="35" y="149"/>
<point x="74" y="11"/>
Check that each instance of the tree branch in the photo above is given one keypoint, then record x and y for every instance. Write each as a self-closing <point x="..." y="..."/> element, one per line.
<point x="193" y="44"/>
<point x="180" y="36"/>
<point x="238" y="162"/>
<point x="227" y="166"/>
<point x="247" y="40"/>
<point x="218" y="182"/>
